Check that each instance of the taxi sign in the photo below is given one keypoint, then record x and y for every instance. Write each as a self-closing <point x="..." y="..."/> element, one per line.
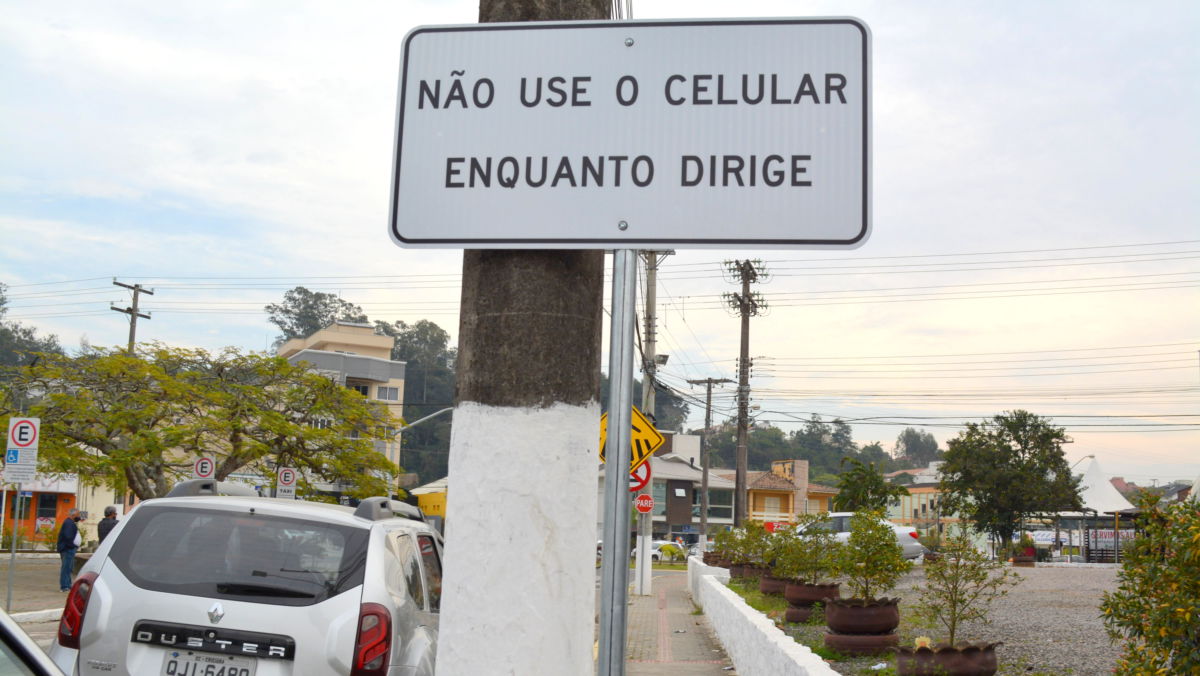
<point x="644" y="441"/>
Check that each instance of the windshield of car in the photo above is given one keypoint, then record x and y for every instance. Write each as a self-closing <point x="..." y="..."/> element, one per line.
<point x="241" y="556"/>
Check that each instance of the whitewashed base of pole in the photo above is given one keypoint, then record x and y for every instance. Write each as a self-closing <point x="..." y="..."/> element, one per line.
<point x="519" y="594"/>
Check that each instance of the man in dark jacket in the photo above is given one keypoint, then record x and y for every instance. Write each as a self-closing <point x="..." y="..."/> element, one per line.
<point x="68" y="544"/>
<point x="107" y="523"/>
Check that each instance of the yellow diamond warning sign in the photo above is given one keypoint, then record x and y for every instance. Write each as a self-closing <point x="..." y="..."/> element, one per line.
<point x="644" y="441"/>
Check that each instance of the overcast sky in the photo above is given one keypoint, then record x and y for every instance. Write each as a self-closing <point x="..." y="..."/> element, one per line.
<point x="1036" y="213"/>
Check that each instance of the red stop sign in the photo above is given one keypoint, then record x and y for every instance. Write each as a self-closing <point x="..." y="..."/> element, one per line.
<point x="644" y="503"/>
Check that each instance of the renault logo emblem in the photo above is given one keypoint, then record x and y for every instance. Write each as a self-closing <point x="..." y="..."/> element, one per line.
<point x="216" y="613"/>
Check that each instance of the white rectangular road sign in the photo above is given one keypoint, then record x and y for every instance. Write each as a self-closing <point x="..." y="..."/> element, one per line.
<point x="635" y="134"/>
<point x="14" y="474"/>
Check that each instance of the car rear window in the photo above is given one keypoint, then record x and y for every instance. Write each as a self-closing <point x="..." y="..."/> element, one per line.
<point x="239" y="555"/>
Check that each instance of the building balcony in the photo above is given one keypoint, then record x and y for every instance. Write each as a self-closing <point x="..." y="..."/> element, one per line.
<point x="771" y="516"/>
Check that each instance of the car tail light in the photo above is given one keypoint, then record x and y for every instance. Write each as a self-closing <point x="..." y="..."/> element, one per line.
<point x="72" y="618"/>
<point x="374" y="641"/>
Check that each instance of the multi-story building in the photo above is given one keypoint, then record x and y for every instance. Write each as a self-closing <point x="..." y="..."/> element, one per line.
<point x="355" y="356"/>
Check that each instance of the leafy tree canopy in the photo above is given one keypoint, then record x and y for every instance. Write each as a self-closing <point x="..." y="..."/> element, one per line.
<point x="303" y="313"/>
<point x="428" y="388"/>
<point x="1007" y="469"/>
<point x="862" y="487"/>
<point x="139" y="422"/>
<point x="18" y="343"/>
<point x="917" y="447"/>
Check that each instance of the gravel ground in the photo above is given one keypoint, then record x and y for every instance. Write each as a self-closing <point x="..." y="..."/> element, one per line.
<point x="1049" y="624"/>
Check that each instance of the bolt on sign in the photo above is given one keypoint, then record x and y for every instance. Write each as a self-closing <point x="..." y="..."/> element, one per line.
<point x="635" y="135"/>
<point x="644" y="440"/>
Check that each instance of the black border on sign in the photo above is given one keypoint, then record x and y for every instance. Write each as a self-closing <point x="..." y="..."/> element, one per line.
<point x="631" y="243"/>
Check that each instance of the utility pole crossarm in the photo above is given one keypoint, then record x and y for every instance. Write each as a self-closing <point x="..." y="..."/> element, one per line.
<point x="132" y="310"/>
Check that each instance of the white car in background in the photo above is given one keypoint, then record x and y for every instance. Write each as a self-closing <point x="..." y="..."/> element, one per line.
<point x="204" y="582"/>
<point x="838" y="523"/>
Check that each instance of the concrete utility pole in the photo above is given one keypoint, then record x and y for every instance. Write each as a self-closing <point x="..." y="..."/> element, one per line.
<point x="747" y="305"/>
<point x="645" y="522"/>
<point x="132" y="310"/>
<point x="520" y="581"/>
<point x="708" y="383"/>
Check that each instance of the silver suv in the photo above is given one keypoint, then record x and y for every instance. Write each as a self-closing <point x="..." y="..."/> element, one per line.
<point x="219" y="585"/>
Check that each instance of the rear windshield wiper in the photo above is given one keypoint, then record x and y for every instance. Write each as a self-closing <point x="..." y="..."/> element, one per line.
<point x="262" y="590"/>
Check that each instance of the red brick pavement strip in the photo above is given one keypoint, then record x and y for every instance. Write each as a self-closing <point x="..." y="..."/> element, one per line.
<point x="664" y="636"/>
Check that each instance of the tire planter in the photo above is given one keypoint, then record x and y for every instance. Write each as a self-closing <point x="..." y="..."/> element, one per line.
<point x="797" y="614"/>
<point x="858" y="627"/>
<point x="755" y="572"/>
<point x="862" y="644"/>
<point x="800" y="594"/>
<point x="773" y="586"/>
<point x="854" y="616"/>
<point x="965" y="659"/>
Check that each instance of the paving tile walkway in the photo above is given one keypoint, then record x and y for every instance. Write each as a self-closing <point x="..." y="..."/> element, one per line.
<point x="666" y="634"/>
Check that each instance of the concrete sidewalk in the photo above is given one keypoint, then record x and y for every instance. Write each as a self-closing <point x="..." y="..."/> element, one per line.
<point x="667" y="635"/>
<point x="34" y="583"/>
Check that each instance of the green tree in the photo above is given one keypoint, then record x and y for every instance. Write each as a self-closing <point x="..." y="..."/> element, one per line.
<point x="305" y="312"/>
<point x="1000" y="472"/>
<point x="19" y="343"/>
<point x="1156" y="607"/>
<point x="428" y="387"/>
<point x="960" y="586"/>
<point x="862" y="487"/>
<point x="139" y="422"/>
<point x="918" y="447"/>
<point x="871" y="561"/>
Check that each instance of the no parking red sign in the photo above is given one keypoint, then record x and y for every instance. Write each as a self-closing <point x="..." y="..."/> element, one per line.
<point x="204" y="468"/>
<point x="639" y="477"/>
<point x="288" y="476"/>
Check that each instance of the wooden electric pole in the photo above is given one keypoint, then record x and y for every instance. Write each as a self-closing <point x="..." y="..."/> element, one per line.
<point x="747" y="305"/>
<point x="132" y="310"/>
<point x="708" y="383"/>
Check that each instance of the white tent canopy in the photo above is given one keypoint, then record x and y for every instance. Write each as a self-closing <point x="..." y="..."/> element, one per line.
<point x="1098" y="493"/>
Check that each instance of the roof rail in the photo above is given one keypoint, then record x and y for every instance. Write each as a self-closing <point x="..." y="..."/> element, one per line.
<point x="407" y="511"/>
<point x="380" y="507"/>
<point x="210" y="487"/>
<point x="374" y="509"/>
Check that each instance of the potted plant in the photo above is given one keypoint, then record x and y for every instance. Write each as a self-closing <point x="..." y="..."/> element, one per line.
<point x="871" y="563"/>
<point x="1025" y="552"/>
<point x="958" y="588"/>
<point x="722" y="552"/>
<point x="932" y="542"/>
<point x="808" y="562"/>
<point x="755" y="549"/>
<point x="775" y="579"/>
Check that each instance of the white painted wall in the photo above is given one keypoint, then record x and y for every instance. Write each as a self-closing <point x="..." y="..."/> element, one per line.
<point x="756" y="646"/>
<point x="519" y="592"/>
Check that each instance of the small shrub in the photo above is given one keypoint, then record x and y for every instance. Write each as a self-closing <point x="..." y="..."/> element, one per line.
<point x="960" y="585"/>
<point x="872" y="562"/>
<point x="1156" y="607"/>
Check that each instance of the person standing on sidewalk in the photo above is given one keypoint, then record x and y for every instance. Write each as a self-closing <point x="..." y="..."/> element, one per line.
<point x="68" y="544"/>
<point x="107" y="523"/>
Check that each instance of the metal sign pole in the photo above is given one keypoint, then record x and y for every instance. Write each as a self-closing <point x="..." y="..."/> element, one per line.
<point x="12" y="559"/>
<point x="614" y="566"/>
